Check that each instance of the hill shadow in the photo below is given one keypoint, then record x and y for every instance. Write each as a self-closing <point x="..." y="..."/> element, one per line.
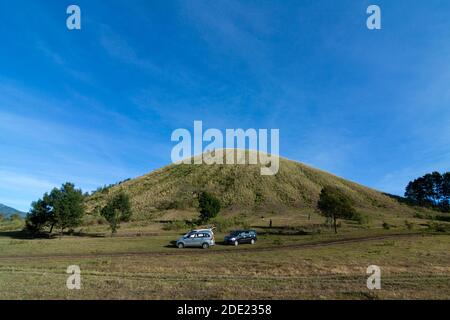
<point x="284" y="230"/>
<point x="24" y="235"/>
<point x="21" y="235"/>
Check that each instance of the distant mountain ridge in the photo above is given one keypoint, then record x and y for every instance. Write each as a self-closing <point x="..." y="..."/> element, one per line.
<point x="8" y="211"/>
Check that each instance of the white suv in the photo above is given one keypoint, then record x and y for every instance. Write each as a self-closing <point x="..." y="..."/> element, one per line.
<point x="197" y="238"/>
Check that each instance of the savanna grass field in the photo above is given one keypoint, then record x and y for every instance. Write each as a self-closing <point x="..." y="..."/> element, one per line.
<point x="287" y="262"/>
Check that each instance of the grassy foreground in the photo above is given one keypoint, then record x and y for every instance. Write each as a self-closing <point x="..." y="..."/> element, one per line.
<point x="278" y="267"/>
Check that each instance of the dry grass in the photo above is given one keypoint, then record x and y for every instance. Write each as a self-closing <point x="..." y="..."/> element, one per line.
<point x="412" y="268"/>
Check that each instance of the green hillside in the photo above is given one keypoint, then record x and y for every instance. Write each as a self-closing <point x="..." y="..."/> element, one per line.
<point x="243" y="190"/>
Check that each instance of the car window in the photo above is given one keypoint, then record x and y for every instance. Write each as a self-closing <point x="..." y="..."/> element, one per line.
<point x="199" y="235"/>
<point x="206" y="235"/>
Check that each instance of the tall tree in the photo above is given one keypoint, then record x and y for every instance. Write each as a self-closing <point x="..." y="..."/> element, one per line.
<point x="334" y="204"/>
<point x="116" y="210"/>
<point x="209" y="206"/>
<point x="446" y="192"/>
<point x="123" y="204"/>
<point x="40" y="216"/>
<point x="68" y="206"/>
<point x="63" y="208"/>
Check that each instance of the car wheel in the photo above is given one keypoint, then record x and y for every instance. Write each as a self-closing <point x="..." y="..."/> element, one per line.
<point x="205" y="246"/>
<point x="236" y="243"/>
<point x="180" y="245"/>
<point x="253" y="241"/>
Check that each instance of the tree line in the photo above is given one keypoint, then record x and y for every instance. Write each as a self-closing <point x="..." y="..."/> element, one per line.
<point x="64" y="208"/>
<point x="432" y="190"/>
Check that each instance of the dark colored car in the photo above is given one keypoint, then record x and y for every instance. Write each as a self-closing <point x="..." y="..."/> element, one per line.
<point x="241" y="236"/>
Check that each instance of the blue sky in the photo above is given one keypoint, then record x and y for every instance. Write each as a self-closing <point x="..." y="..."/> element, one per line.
<point x="98" y="105"/>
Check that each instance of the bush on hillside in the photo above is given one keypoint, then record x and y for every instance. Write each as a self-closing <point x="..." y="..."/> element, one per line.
<point x="118" y="209"/>
<point x="209" y="206"/>
<point x="360" y="218"/>
<point x="409" y="225"/>
<point x="442" y="217"/>
<point x="223" y="224"/>
<point x="439" y="227"/>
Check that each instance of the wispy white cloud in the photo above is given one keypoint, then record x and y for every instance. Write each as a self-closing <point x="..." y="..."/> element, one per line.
<point x="18" y="181"/>
<point x="62" y="63"/>
<point x="234" y="28"/>
<point x="55" y="57"/>
<point x="118" y="48"/>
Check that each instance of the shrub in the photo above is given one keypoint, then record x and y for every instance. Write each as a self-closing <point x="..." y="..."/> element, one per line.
<point x="422" y="216"/>
<point x="92" y="220"/>
<point x="14" y="217"/>
<point x="226" y="224"/>
<point x="118" y="209"/>
<point x="122" y="203"/>
<point x="176" y="225"/>
<point x="386" y="225"/>
<point x="175" y="204"/>
<point x="438" y="227"/>
<point x="360" y="218"/>
<point x="409" y="225"/>
<point x="209" y="206"/>
<point x="442" y="218"/>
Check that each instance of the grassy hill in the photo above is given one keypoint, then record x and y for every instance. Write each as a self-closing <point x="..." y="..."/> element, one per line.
<point x="170" y="192"/>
